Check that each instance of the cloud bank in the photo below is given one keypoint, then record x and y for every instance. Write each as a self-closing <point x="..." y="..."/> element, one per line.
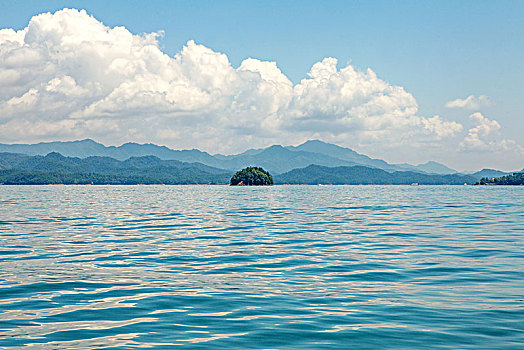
<point x="485" y="136"/>
<point x="68" y="76"/>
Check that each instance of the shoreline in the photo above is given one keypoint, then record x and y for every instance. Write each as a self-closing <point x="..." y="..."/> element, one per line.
<point x="228" y="185"/>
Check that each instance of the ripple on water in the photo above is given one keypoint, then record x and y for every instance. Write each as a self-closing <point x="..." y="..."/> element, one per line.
<point x="276" y="267"/>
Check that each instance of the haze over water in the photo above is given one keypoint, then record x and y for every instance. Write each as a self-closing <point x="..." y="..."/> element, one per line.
<point x="284" y="267"/>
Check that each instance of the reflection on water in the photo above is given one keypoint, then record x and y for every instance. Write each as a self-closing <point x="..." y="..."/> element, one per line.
<point x="274" y="267"/>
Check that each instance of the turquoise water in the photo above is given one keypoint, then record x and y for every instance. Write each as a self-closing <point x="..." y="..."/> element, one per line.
<point x="282" y="267"/>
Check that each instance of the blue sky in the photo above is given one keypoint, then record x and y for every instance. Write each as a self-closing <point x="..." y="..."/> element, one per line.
<point x="437" y="51"/>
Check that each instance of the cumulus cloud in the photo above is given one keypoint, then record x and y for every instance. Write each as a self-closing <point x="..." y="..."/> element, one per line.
<point x="471" y="102"/>
<point x="485" y="136"/>
<point x="68" y="75"/>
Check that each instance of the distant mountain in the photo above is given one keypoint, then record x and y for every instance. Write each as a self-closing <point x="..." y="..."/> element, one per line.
<point x="277" y="159"/>
<point x="87" y="148"/>
<point x="317" y="146"/>
<point x="436" y="168"/>
<point x="489" y="173"/>
<point x="334" y="151"/>
<point x="82" y="149"/>
<point x="360" y="175"/>
<point x="55" y="168"/>
<point x="430" y="167"/>
<point x="55" y="161"/>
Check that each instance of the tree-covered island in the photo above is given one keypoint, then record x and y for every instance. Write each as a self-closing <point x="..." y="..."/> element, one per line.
<point x="252" y="176"/>
<point x="515" y="179"/>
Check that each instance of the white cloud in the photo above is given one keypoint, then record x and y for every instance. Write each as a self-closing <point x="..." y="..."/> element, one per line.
<point x="440" y="127"/>
<point x="485" y="136"/>
<point x="471" y="102"/>
<point x="68" y="75"/>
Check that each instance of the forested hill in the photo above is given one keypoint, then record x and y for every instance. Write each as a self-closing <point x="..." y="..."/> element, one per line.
<point x="57" y="169"/>
<point x="512" y="180"/>
<point x="360" y="175"/>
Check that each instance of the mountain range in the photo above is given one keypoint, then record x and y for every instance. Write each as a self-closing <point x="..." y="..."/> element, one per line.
<point x="55" y="168"/>
<point x="361" y="175"/>
<point x="277" y="159"/>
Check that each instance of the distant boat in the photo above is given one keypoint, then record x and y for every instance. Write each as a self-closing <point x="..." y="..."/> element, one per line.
<point x="414" y="184"/>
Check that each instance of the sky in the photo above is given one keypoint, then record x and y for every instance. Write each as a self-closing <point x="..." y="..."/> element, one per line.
<point x="404" y="81"/>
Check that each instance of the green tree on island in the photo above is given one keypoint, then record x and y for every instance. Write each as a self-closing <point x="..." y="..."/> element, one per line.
<point x="515" y="179"/>
<point x="252" y="176"/>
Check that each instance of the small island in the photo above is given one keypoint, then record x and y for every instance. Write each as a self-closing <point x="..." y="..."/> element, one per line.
<point x="252" y="176"/>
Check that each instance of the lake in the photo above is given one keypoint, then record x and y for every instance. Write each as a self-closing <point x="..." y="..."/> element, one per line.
<point x="281" y="267"/>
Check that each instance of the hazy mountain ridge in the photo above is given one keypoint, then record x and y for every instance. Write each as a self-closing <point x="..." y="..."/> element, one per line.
<point x="320" y="147"/>
<point x="56" y="168"/>
<point x="489" y="173"/>
<point x="57" y="161"/>
<point x="430" y="167"/>
<point x="277" y="159"/>
<point x="360" y="175"/>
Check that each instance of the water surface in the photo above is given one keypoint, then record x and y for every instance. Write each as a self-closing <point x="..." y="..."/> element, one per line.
<point x="280" y="267"/>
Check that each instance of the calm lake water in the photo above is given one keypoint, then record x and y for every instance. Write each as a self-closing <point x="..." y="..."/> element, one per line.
<point x="282" y="267"/>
